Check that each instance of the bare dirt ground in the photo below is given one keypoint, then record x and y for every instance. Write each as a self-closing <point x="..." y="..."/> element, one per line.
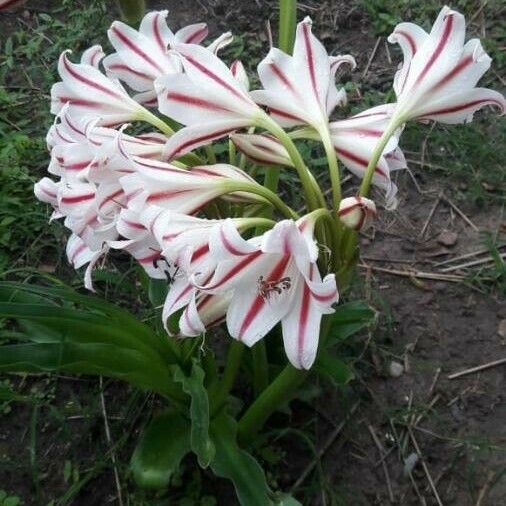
<point x="436" y="440"/>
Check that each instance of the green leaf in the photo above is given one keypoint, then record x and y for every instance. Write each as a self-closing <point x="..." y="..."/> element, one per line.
<point x="347" y="320"/>
<point x="89" y="358"/>
<point x="193" y="385"/>
<point x="237" y="465"/>
<point x="7" y="394"/>
<point x="334" y="369"/>
<point x="287" y="500"/>
<point x="157" y="291"/>
<point x="164" y="443"/>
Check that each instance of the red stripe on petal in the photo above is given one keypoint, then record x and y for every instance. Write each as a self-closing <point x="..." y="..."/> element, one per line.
<point x="126" y="68"/>
<point x="166" y="195"/>
<point x="195" y="102"/>
<point x="78" y="198"/>
<point x="78" y="250"/>
<point x="188" y="144"/>
<point x="236" y="269"/>
<point x="87" y="81"/>
<point x="137" y="50"/>
<point x="110" y="197"/>
<point x="281" y="76"/>
<point x="259" y="301"/>
<point x="361" y="161"/>
<point x="310" y="62"/>
<point x="150" y="258"/>
<point x="303" y="317"/>
<point x="156" y="31"/>
<point x="465" y="62"/>
<point x="439" y="48"/>
<point x="228" y="245"/>
<point x="199" y="252"/>
<point x="196" y="36"/>
<point x="409" y="38"/>
<point x="461" y="107"/>
<point x="283" y="114"/>
<point x="134" y="224"/>
<point x="216" y="78"/>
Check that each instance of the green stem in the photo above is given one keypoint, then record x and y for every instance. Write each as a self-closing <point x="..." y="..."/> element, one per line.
<point x="287" y="21"/>
<point x="260" y="367"/>
<point x="227" y="380"/>
<point x="256" y="189"/>
<point x="211" y="157"/>
<point x="335" y="179"/>
<point x="312" y="192"/>
<point x="154" y="120"/>
<point x="281" y="390"/>
<point x="132" y="11"/>
<point x="231" y="153"/>
<point x="376" y="155"/>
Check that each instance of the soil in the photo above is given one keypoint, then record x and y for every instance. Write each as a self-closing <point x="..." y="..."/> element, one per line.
<point x="432" y="328"/>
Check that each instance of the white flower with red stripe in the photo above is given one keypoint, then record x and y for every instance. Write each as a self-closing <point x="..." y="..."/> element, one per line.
<point x="438" y="78"/>
<point x="92" y="94"/>
<point x="142" y="56"/>
<point x="273" y="278"/>
<point x="300" y="89"/>
<point x="184" y="244"/>
<point x="355" y="139"/>
<point x="207" y="98"/>
<point x="185" y="191"/>
<point x="357" y="212"/>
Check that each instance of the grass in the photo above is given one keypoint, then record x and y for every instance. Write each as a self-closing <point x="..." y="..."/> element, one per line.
<point x="467" y="158"/>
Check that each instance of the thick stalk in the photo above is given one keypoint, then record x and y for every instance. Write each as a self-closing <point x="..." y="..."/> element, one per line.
<point x="287" y="21"/>
<point x="260" y="367"/>
<point x="154" y="120"/>
<point x="229" y="374"/>
<point x="132" y="11"/>
<point x="335" y="179"/>
<point x="281" y="390"/>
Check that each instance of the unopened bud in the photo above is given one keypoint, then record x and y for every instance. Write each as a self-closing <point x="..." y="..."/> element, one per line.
<point x="239" y="72"/>
<point x="357" y="212"/>
<point x="262" y="149"/>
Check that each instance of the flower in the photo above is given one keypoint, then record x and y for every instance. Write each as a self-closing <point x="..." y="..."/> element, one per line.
<point x="273" y="278"/>
<point x="142" y="56"/>
<point x="91" y="93"/>
<point x="437" y="80"/>
<point x="300" y="89"/>
<point x="355" y="140"/>
<point x="357" y="212"/>
<point x="207" y="98"/>
<point x="185" y="191"/>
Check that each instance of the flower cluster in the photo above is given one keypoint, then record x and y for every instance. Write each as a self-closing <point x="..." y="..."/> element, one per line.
<point x="206" y="227"/>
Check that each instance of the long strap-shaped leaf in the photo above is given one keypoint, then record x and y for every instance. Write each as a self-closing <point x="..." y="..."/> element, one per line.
<point x="237" y="465"/>
<point x="90" y="358"/>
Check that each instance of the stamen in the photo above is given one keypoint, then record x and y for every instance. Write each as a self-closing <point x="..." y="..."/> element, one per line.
<point x="267" y="288"/>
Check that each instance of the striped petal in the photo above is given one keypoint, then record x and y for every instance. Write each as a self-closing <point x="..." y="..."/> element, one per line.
<point x="91" y="94"/>
<point x="192" y="137"/>
<point x="301" y="326"/>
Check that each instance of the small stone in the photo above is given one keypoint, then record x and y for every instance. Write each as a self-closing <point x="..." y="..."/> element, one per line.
<point x="447" y="238"/>
<point x="501" y="329"/>
<point x="395" y="369"/>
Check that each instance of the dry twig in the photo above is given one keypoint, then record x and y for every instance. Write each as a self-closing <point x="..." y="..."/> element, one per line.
<point x="477" y="368"/>
<point x="460" y="213"/>
<point x="109" y="443"/>
<point x="381" y="451"/>
<point x="371" y="58"/>
<point x="425" y="468"/>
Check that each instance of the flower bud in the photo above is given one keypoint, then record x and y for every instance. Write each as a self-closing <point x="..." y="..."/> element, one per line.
<point x="262" y="149"/>
<point x="239" y="72"/>
<point x="357" y="212"/>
